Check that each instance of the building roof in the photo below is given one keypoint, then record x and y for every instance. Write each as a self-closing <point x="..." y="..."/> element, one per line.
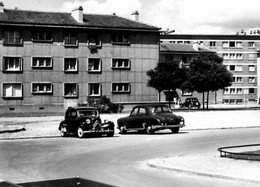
<point x="58" y="19"/>
<point x="208" y="37"/>
<point x="181" y="48"/>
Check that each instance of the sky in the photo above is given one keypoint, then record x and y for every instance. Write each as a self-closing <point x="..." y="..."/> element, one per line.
<point x="183" y="16"/>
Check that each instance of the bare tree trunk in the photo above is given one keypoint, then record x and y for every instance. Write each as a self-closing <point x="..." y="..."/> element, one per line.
<point x="207" y="100"/>
<point x="203" y="100"/>
<point x="169" y="99"/>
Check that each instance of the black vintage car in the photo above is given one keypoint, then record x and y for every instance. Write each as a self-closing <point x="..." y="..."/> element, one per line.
<point x="150" y="118"/>
<point x="83" y="120"/>
<point x="190" y="102"/>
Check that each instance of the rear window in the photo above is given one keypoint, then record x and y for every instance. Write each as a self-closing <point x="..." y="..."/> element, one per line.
<point x="88" y="113"/>
<point x="160" y="109"/>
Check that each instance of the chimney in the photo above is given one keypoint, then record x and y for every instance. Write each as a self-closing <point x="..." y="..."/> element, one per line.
<point x="1" y="6"/>
<point x="77" y="14"/>
<point x="135" y="15"/>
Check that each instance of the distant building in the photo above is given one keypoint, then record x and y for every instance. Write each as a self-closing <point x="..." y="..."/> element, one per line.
<point x="182" y="53"/>
<point x="51" y="60"/>
<point x="241" y="57"/>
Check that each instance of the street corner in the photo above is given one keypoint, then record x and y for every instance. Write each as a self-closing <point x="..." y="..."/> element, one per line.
<point x="210" y="166"/>
<point x="11" y="128"/>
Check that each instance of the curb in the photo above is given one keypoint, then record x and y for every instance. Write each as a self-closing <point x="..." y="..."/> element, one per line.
<point x="202" y="173"/>
<point x="13" y="128"/>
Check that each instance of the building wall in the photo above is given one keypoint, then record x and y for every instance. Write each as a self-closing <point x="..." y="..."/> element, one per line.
<point x="143" y="53"/>
<point x="241" y="59"/>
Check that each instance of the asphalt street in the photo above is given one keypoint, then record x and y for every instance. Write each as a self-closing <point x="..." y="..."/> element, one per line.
<point x="122" y="160"/>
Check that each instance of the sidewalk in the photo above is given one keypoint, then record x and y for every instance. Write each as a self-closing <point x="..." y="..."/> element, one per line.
<point x="211" y="166"/>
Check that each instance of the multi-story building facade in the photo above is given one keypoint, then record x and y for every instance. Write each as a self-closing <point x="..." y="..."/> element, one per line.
<point x="51" y="60"/>
<point x="241" y="57"/>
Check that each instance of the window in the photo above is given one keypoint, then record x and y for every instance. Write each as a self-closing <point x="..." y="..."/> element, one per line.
<point x="239" y="44"/>
<point x="94" y="65"/>
<point x="212" y="44"/>
<point x="70" y="40"/>
<point x="120" y="63"/>
<point x="41" y="36"/>
<point x="239" y="91"/>
<point x="12" y="90"/>
<point x="70" y="90"/>
<point x="239" y="56"/>
<point x="12" y="38"/>
<point x="251" y="68"/>
<point x="251" y="80"/>
<point x="120" y="38"/>
<point x="41" y="62"/>
<point x="226" y="91"/>
<point x="70" y="65"/>
<point x="41" y="88"/>
<point x="142" y="112"/>
<point x="232" y="44"/>
<point x="225" y="44"/>
<point x="225" y="56"/>
<point x="251" y="90"/>
<point x="13" y="64"/>
<point x="232" y="56"/>
<point x="120" y="88"/>
<point x="238" y="79"/>
<point x="239" y="68"/>
<point x="232" y="67"/>
<point x="94" y="89"/>
<point x="94" y="41"/>
<point x="232" y="90"/>
<point x="251" y="44"/>
<point x="251" y="56"/>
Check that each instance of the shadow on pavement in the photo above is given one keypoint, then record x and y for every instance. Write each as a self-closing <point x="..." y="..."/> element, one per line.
<point x="69" y="182"/>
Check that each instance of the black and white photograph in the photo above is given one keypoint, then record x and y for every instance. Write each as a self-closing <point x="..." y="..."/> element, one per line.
<point x="129" y="93"/>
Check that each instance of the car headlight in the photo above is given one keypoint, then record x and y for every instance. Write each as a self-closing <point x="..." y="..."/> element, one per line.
<point x="88" y="121"/>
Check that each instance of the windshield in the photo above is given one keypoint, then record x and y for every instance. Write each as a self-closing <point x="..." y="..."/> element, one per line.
<point x="160" y="109"/>
<point x="93" y="113"/>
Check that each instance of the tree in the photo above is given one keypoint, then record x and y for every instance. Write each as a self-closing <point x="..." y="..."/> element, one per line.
<point x="166" y="76"/>
<point x="207" y="73"/>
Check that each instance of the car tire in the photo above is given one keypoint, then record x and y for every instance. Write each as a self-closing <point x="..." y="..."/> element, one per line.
<point x="175" y="130"/>
<point x="80" y="132"/>
<point x="149" y="130"/>
<point x="63" y="131"/>
<point x="122" y="130"/>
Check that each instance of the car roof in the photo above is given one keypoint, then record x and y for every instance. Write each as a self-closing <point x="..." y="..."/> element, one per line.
<point x="151" y="105"/>
<point x="83" y="108"/>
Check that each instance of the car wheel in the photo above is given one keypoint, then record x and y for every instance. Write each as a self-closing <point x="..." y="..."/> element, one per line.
<point x="63" y="131"/>
<point x="149" y="130"/>
<point x="122" y="130"/>
<point x="80" y="132"/>
<point x="110" y="134"/>
<point x="175" y="130"/>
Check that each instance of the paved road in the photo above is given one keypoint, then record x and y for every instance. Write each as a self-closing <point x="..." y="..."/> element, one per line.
<point x="119" y="160"/>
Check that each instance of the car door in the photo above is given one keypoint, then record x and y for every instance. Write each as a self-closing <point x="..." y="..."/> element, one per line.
<point x="131" y="120"/>
<point x="141" y="118"/>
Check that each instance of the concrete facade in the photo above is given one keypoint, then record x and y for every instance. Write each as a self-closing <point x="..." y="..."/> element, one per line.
<point x="49" y="66"/>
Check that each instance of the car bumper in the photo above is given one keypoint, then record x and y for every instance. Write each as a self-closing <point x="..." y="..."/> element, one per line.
<point x="99" y="131"/>
<point x="159" y="127"/>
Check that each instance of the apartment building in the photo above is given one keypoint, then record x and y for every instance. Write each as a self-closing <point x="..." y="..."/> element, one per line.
<point x="52" y="60"/>
<point x="241" y="57"/>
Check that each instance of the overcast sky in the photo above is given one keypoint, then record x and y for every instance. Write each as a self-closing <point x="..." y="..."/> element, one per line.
<point x="183" y="16"/>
